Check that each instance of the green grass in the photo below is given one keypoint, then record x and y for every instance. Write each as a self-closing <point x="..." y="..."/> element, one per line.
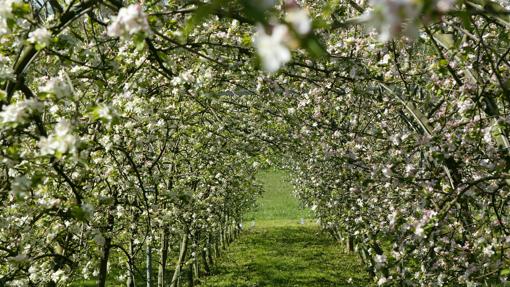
<point x="279" y="251"/>
<point x="84" y="283"/>
<point x="277" y="202"/>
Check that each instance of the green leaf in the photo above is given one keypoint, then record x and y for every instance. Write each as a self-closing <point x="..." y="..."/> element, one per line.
<point x="20" y="9"/>
<point x="312" y="46"/>
<point x="446" y="40"/>
<point x="78" y="213"/>
<point x="139" y="40"/>
<point x="442" y="63"/>
<point x="11" y="23"/>
<point x="246" y="40"/>
<point x="39" y="46"/>
<point x="254" y="10"/>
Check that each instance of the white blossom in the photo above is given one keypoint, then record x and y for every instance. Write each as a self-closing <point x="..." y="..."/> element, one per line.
<point x="61" y="141"/>
<point x="393" y="17"/>
<point x="420" y="227"/>
<point x="445" y="5"/>
<point x="380" y="259"/>
<point x="299" y="20"/>
<point x="19" y="111"/>
<point x="20" y="258"/>
<point x="387" y="172"/>
<point x="40" y="36"/>
<point x="5" y="14"/>
<point x="487" y="134"/>
<point x="271" y="48"/>
<point x="487" y="251"/>
<point x="57" y="86"/>
<point x="465" y="106"/>
<point x="382" y="281"/>
<point x="385" y="60"/>
<point x="6" y="8"/>
<point x="6" y="71"/>
<point x="130" y="20"/>
<point x="58" y="275"/>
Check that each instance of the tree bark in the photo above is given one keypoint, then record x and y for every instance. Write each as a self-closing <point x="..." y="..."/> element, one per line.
<point x="103" y="264"/>
<point x="207" y="269"/>
<point x="149" y="264"/>
<point x="131" y="270"/>
<point x="182" y="256"/>
<point x="163" y="258"/>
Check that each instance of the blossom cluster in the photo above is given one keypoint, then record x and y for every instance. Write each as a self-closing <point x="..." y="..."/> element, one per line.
<point x="273" y="48"/>
<point x="131" y="20"/>
<point x="61" y="141"/>
<point x="6" y="13"/>
<point x="18" y="113"/>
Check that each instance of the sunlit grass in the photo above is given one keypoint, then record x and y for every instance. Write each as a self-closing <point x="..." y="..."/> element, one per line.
<point x="277" y="202"/>
<point x="280" y="251"/>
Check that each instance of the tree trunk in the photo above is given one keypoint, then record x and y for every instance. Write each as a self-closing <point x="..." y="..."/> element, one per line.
<point x="149" y="264"/>
<point x="196" y="262"/>
<point x="223" y="238"/>
<point x="350" y="243"/>
<point x="163" y="258"/>
<point x="216" y="246"/>
<point x="182" y="256"/>
<point x="131" y="270"/>
<point x="207" y="269"/>
<point x="190" y="276"/>
<point x="103" y="264"/>
<point x="209" y="250"/>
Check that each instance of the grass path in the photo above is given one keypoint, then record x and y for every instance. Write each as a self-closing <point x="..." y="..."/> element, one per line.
<point x="280" y="251"/>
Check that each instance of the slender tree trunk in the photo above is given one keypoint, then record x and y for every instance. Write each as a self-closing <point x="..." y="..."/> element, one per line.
<point x="196" y="262"/>
<point x="223" y="238"/>
<point x="350" y="243"/>
<point x="163" y="258"/>
<point x="207" y="269"/>
<point x="190" y="276"/>
<point x="131" y="269"/>
<point x="180" y="260"/>
<point x="229" y="234"/>
<point x="216" y="246"/>
<point x="209" y="250"/>
<point x="149" y="264"/>
<point x="103" y="264"/>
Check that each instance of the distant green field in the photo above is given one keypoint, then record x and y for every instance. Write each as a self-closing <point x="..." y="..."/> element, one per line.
<point x="277" y="201"/>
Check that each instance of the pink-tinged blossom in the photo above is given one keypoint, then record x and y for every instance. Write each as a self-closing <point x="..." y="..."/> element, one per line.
<point x="299" y="20"/>
<point x="130" y="20"/>
<point x="445" y="5"/>
<point x="393" y="17"/>
<point x="271" y="48"/>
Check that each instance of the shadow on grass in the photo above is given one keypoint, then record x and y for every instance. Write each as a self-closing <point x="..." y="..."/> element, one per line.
<point x="287" y="255"/>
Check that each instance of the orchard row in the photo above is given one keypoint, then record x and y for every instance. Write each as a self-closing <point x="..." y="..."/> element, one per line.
<point x="131" y="134"/>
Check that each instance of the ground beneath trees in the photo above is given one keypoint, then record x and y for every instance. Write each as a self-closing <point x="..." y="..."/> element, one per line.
<point x="277" y="250"/>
